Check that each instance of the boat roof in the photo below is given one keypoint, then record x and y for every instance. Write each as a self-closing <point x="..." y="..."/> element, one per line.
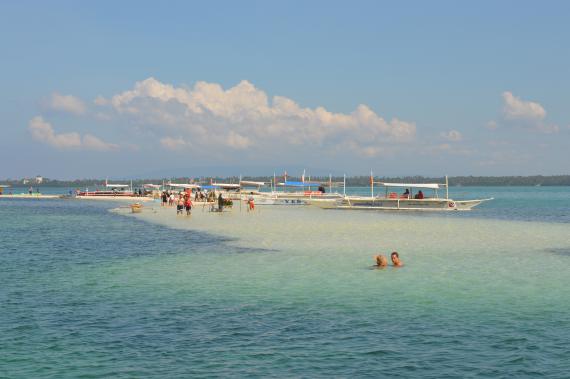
<point x="226" y="185"/>
<point x="117" y="185"/>
<point x="299" y="184"/>
<point x="251" y="183"/>
<point x="183" y="185"/>
<point x="4" y="185"/>
<point x="149" y="185"/>
<point x="412" y="185"/>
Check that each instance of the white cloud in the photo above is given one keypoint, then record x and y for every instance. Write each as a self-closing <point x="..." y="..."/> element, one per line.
<point x="452" y="135"/>
<point x="91" y="142"/>
<point x="66" y="103"/>
<point x="528" y="113"/>
<point x="515" y="108"/>
<point x="244" y="117"/>
<point x="178" y="143"/>
<point x="42" y="131"/>
<point x="101" y="101"/>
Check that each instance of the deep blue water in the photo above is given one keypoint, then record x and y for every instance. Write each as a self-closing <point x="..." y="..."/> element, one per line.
<point x="72" y="305"/>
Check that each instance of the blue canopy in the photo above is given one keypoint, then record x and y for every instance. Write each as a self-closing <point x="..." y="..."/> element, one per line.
<point x="300" y="184"/>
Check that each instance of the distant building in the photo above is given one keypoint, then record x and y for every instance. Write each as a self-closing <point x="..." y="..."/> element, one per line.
<point x="39" y="179"/>
<point x="25" y="181"/>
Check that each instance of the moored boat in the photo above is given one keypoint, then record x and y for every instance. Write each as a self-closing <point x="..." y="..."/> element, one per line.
<point x="391" y="200"/>
<point x="112" y="192"/>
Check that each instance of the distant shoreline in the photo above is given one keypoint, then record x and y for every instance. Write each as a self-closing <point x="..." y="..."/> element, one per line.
<point x="354" y="181"/>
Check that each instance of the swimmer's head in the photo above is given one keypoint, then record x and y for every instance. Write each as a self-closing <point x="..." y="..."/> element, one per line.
<point x="395" y="257"/>
<point x="381" y="260"/>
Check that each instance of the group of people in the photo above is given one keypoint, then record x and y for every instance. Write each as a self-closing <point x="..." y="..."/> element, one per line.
<point x="184" y="202"/>
<point x="167" y="198"/>
<point x="205" y="196"/>
<point x="382" y="262"/>
<point x="419" y="195"/>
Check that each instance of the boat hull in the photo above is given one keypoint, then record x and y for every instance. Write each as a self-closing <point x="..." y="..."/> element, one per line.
<point x="369" y="203"/>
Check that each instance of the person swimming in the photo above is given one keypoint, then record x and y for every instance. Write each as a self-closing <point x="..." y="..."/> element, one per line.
<point x="396" y="259"/>
<point x="381" y="261"/>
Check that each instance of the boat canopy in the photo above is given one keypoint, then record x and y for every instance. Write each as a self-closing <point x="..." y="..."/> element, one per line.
<point x="117" y="185"/>
<point x="299" y="184"/>
<point x="226" y="185"/>
<point x="151" y="186"/>
<point x="183" y="185"/>
<point x="411" y="185"/>
<point x="251" y="183"/>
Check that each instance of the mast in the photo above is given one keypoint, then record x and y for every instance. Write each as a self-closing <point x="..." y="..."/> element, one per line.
<point x="446" y="188"/>
<point x="371" y="184"/>
<point x="344" y="186"/>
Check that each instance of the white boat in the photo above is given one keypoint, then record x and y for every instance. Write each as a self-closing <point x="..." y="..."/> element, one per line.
<point x="112" y="192"/>
<point x="391" y="200"/>
<point x="303" y="192"/>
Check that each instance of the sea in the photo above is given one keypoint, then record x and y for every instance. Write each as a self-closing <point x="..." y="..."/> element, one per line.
<point x="90" y="290"/>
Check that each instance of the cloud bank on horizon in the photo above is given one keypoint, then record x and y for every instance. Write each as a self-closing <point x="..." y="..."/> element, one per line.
<point x="241" y="117"/>
<point x="206" y="118"/>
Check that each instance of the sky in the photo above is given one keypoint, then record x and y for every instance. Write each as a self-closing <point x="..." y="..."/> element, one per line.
<point x="193" y="88"/>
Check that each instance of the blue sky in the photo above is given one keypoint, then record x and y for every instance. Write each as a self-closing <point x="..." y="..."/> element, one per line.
<point x="125" y="89"/>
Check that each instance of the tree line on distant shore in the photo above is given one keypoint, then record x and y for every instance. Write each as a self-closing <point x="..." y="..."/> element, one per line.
<point x="536" y="180"/>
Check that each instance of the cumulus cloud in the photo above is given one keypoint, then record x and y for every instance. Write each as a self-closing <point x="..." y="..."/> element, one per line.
<point x="66" y="103"/>
<point x="515" y="108"/>
<point x="243" y="116"/>
<point x="526" y="112"/>
<point x="452" y="135"/>
<point x="42" y="131"/>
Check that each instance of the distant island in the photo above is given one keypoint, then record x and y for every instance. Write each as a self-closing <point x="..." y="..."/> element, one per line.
<point x="355" y="181"/>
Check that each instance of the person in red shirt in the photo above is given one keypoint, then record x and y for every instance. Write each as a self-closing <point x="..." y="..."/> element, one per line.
<point x="188" y="206"/>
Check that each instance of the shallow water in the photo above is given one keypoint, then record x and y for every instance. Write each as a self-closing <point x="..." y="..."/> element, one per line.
<point x="282" y="292"/>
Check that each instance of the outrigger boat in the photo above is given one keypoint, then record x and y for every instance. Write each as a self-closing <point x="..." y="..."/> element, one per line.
<point x="391" y="200"/>
<point x="112" y="192"/>
<point x="300" y="193"/>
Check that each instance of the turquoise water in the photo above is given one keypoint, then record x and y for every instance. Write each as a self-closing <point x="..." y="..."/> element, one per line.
<point x="89" y="290"/>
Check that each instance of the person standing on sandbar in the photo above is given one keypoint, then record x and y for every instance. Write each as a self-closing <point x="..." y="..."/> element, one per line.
<point x="220" y="203"/>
